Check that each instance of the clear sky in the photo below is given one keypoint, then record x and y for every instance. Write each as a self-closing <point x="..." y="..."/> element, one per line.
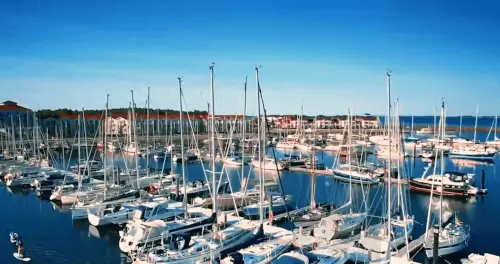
<point x="326" y="55"/>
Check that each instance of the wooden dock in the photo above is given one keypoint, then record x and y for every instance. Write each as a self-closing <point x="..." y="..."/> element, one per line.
<point x="413" y="246"/>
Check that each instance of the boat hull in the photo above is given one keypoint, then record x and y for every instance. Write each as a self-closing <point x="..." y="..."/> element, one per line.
<point x="447" y="250"/>
<point x="354" y="179"/>
<point x="488" y="156"/>
<point x="417" y="186"/>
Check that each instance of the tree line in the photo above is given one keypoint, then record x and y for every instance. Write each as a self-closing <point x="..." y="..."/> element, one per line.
<point x="56" y="113"/>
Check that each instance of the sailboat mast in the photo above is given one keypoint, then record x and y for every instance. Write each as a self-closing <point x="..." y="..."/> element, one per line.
<point x="244" y="127"/>
<point x="181" y="125"/>
<point x="147" y="135"/>
<point x="435" y="121"/>
<point x="412" y="120"/>
<point x="313" y="175"/>
<point x="475" y="124"/>
<point x="134" y="122"/>
<point x="496" y="125"/>
<point x="259" y="136"/>
<point x="79" y="153"/>
<point x="442" y="165"/>
<point x="460" y="128"/>
<point x="212" y="138"/>
<point x="104" y="143"/>
<point x="389" y="206"/>
<point x="349" y="157"/>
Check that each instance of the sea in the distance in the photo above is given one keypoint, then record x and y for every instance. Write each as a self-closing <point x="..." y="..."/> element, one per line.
<point x="51" y="237"/>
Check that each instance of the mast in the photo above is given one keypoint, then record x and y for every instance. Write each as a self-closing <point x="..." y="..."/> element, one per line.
<point x="460" y="128"/>
<point x="349" y="161"/>
<point x="147" y="136"/>
<point x="389" y="206"/>
<point x="244" y="129"/>
<point x="435" y="121"/>
<point x="259" y="136"/>
<point x="475" y="124"/>
<point x="442" y="166"/>
<point x="412" y="120"/>
<point x="496" y="125"/>
<point x="181" y="125"/>
<point x="79" y="153"/>
<point x="212" y="138"/>
<point x="313" y="175"/>
<point x="105" y="145"/>
<point x="136" y="145"/>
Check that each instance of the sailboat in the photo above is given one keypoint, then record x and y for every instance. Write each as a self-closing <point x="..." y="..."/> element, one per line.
<point x="339" y="224"/>
<point x="473" y="151"/>
<point x="377" y="243"/>
<point x="453" y="235"/>
<point x="274" y="203"/>
<point x="141" y="233"/>
<point x="179" y="248"/>
<point x="278" y="240"/>
<point x="496" y="141"/>
<point x="354" y="174"/>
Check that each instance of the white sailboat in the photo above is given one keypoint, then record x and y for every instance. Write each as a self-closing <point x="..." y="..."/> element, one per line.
<point x="379" y="242"/>
<point x="278" y="240"/>
<point x="203" y="248"/>
<point x="453" y="235"/>
<point x="496" y="141"/>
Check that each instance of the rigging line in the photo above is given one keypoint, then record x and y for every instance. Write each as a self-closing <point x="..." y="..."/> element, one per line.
<point x="268" y="129"/>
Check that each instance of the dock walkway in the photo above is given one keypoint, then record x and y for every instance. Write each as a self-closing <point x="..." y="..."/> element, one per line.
<point x="411" y="247"/>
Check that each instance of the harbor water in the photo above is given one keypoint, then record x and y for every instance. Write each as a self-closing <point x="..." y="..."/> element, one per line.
<point x="50" y="236"/>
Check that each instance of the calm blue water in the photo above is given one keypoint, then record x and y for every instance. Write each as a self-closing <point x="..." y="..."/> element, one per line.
<point x="50" y="236"/>
<point x="467" y="121"/>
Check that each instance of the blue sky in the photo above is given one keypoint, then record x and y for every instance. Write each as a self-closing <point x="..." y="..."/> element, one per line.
<point x="326" y="55"/>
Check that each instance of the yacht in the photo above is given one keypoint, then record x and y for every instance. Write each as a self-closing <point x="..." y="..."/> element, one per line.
<point x="156" y="208"/>
<point x="376" y="240"/>
<point x="264" y="252"/>
<point x="339" y="225"/>
<point x="141" y="232"/>
<point x="357" y="174"/>
<point x="481" y="259"/>
<point x="267" y="164"/>
<point x="92" y="203"/>
<point x="275" y="204"/>
<point x="179" y="248"/>
<point x="472" y="152"/>
<point x="451" y="183"/>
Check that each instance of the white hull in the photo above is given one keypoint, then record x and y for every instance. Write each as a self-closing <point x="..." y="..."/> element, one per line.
<point x="68" y="199"/>
<point x="110" y="219"/>
<point x="447" y="250"/>
<point x="82" y="212"/>
<point x="267" y="165"/>
<point x="282" y="145"/>
<point x="232" y="163"/>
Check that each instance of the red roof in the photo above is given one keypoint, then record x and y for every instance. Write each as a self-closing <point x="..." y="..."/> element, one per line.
<point x="12" y="108"/>
<point x="151" y="116"/>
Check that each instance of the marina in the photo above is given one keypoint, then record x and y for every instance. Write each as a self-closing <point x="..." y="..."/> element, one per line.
<point x="249" y="133"/>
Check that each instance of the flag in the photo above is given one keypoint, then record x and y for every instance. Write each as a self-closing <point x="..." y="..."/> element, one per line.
<point x="313" y="205"/>
<point x="271" y="213"/>
<point x="457" y="221"/>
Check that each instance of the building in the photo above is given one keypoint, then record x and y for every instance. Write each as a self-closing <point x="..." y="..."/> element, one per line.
<point x="12" y="115"/>
<point x="159" y="124"/>
<point x="323" y="122"/>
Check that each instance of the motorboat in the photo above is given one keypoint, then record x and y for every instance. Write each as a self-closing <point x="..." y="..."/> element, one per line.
<point x="155" y="208"/>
